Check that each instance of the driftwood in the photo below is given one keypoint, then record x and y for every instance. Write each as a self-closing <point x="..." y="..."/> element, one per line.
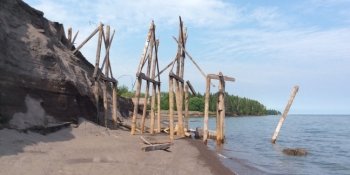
<point x="295" y="151"/>
<point x="48" y="129"/>
<point x="164" y="146"/>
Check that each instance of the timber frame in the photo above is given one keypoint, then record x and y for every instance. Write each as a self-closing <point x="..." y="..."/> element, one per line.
<point x="220" y="107"/>
<point x="101" y="80"/>
<point x="150" y="54"/>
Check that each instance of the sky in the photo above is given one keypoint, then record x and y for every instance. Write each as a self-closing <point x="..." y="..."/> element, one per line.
<point x="267" y="46"/>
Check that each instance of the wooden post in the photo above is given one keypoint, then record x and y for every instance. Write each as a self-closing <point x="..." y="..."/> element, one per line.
<point x="285" y="113"/>
<point x="69" y="36"/>
<point x="106" y="83"/>
<point x="97" y="64"/>
<point x="206" y="111"/>
<point x="158" y="109"/>
<point x="136" y="105"/>
<point x="147" y="87"/>
<point x="221" y="110"/>
<point x="115" y="102"/>
<point x="186" y="107"/>
<point x="154" y="85"/>
<point x="171" y="108"/>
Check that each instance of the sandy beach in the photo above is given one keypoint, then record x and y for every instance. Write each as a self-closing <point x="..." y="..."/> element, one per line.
<point x="92" y="149"/>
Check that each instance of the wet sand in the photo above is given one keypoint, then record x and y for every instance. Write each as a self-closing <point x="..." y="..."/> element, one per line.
<point x="91" y="149"/>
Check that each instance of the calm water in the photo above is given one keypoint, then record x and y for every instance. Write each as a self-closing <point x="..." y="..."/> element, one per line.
<point x="248" y="149"/>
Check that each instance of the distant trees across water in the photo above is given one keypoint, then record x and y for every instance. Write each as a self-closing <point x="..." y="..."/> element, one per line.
<point x="234" y="105"/>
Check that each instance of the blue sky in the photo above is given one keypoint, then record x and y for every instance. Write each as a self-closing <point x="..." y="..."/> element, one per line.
<point x="268" y="46"/>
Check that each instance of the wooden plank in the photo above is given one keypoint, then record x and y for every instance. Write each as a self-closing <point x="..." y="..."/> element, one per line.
<point x="206" y="110"/>
<point x="74" y="38"/>
<point x="221" y="109"/>
<point x="217" y="77"/>
<point x="285" y="113"/>
<point x="155" y="147"/>
<point x="98" y="52"/>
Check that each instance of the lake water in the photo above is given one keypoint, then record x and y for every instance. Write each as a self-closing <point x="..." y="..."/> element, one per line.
<point x="248" y="148"/>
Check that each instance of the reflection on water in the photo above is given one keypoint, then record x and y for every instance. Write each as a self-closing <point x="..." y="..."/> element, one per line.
<point x="248" y="148"/>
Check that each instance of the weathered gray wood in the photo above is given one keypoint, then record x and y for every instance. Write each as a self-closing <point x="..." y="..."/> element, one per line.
<point x="145" y="49"/>
<point x="216" y="77"/>
<point x="154" y="86"/>
<point x="88" y="38"/>
<point x="285" y="113"/>
<point x="107" y="53"/>
<point x="145" y="77"/>
<point x="136" y="105"/>
<point x="206" y="110"/>
<point x="155" y="147"/>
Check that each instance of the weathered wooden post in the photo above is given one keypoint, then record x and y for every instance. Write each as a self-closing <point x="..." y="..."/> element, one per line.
<point x="97" y="64"/>
<point x="115" y="102"/>
<point x="158" y="109"/>
<point x="186" y="107"/>
<point x="106" y="83"/>
<point x="70" y="35"/>
<point x="171" y="108"/>
<point x="154" y="91"/>
<point x="206" y="111"/>
<point x="221" y="110"/>
<point x="285" y="113"/>
<point x="136" y="105"/>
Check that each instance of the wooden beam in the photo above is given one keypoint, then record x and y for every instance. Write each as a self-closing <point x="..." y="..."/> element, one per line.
<point x="74" y="38"/>
<point x="115" y="102"/>
<point x="88" y="38"/>
<point x="172" y="75"/>
<point x="217" y="77"/>
<point x="189" y="56"/>
<point x="106" y="83"/>
<point x="285" y="113"/>
<point x="69" y="35"/>
<point x="145" y="77"/>
<point x="191" y="87"/>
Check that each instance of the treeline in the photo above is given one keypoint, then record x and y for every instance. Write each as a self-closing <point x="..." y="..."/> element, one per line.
<point x="234" y="105"/>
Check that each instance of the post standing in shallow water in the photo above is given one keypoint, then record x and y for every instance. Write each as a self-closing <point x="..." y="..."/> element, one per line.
<point x="284" y="115"/>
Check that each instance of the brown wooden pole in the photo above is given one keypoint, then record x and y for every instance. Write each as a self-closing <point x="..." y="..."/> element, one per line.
<point x="206" y="111"/>
<point x="171" y="108"/>
<point x="74" y="38"/>
<point x="186" y="107"/>
<point x="136" y="105"/>
<point x="97" y="64"/>
<point x="285" y="113"/>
